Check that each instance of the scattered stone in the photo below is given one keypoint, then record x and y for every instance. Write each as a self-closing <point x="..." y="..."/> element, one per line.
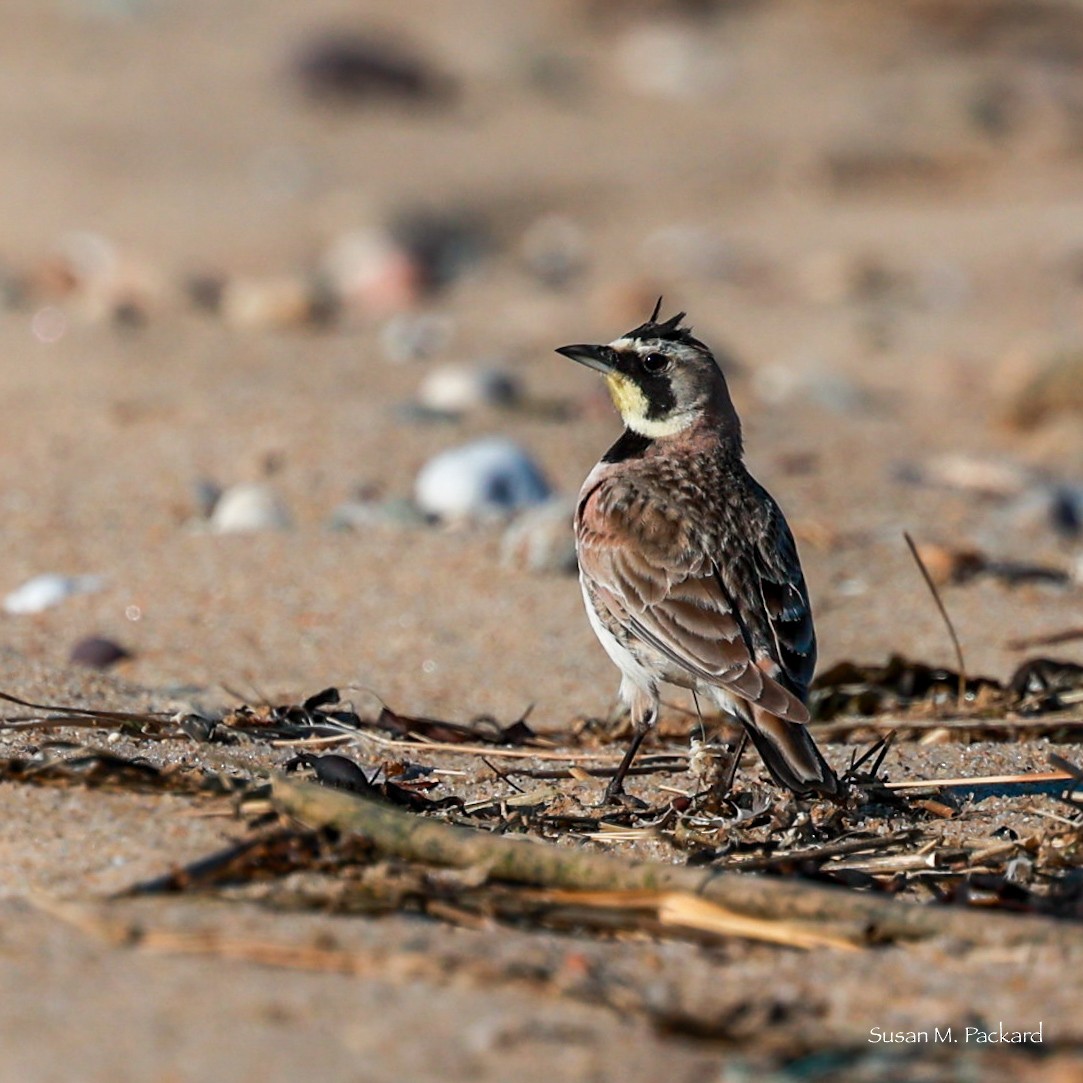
<point x="100" y="280"/>
<point x="98" y="652"/>
<point x="353" y="69"/>
<point x="443" y="243"/>
<point x="1055" y="506"/>
<point x="833" y="276"/>
<point x="207" y="492"/>
<point x="361" y="514"/>
<point x="481" y="481"/>
<point x="49" y="589"/>
<point x="554" y="250"/>
<point x="289" y="301"/>
<point x="411" y="336"/>
<point x="778" y="383"/>
<point x="542" y="539"/>
<point x="247" y="507"/>
<point x="997" y="478"/>
<point x="369" y="271"/>
<point x="1037" y="389"/>
<point x="670" y="60"/>
<point x="384" y="271"/>
<point x="950" y="564"/>
<point x="693" y="251"/>
<point x="461" y="389"/>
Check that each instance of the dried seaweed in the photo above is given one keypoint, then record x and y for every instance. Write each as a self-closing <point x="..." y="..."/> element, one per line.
<point x="857" y="916"/>
<point x="797" y="846"/>
<point x="64" y="764"/>
<point x="1039" y="686"/>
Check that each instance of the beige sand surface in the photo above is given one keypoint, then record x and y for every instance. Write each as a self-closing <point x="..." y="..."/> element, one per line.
<point x="881" y="255"/>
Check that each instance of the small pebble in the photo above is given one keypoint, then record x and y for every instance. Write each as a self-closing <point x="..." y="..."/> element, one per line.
<point x="103" y="282"/>
<point x="49" y="589"/>
<point x="460" y="389"/>
<point x="983" y="477"/>
<point x="249" y="507"/>
<point x="443" y="243"/>
<point x="670" y="60"/>
<point x="98" y="652"/>
<point x="362" y="514"/>
<point x="484" y="480"/>
<point x="779" y="383"/>
<point x="273" y="302"/>
<point x="542" y="540"/>
<point x="408" y="336"/>
<point x="357" y="69"/>
<point x="370" y="271"/>
<point x="554" y="250"/>
<point x="1035" y="389"/>
<point x="1040" y="507"/>
<point x="693" y="251"/>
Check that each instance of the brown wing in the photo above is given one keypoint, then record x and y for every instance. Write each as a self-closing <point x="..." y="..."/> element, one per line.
<point x="674" y="597"/>
<point x="792" y="642"/>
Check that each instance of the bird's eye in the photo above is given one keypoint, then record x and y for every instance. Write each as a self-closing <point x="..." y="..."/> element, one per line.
<point x="655" y="362"/>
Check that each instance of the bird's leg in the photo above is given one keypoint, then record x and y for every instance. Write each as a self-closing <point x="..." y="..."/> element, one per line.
<point x="725" y="784"/>
<point x="643" y="719"/>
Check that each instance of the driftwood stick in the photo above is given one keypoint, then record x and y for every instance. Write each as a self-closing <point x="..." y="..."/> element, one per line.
<point x="859" y="917"/>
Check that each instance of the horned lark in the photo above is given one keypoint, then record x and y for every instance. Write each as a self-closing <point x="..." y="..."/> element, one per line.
<point x="689" y="572"/>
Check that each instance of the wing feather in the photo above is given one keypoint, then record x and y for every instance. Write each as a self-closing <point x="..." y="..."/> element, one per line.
<point x="676" y="599"/>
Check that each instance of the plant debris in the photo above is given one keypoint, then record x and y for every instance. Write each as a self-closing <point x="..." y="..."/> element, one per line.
<point x="408" y="837"/>
<point x="1039" y="686"/>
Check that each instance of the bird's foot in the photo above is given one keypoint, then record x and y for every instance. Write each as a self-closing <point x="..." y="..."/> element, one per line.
<point x="616" y="796"/>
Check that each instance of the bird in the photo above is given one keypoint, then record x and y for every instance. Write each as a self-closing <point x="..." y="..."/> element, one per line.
<point x="689" y="571"/>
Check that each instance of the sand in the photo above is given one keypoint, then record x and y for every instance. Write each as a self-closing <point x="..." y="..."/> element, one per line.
<point x="879" y="258"/>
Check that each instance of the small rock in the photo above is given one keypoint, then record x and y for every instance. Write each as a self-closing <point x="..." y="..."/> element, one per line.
<point x="833" y="276"/>
<point x="554" y="250"/>
<point x="778" y="383"/>
<point x="369" y="271"/>
<point x="273" y="302"/>
<point x="542" y="539"/>
<point x="443" y="242"/>
<point x="354" y="69"/>
<point x="460" y="389"/>
<point x="1045" y="506"/>
<point x="1036" y="389"/>
<point x="361" y="514"/>
<point x="206" y="493"/>
<point x="49" y="589"/>
<point x="415" y="337"/>
<point x="98" y="653"/>
<point x="951" y="564"/>
<point x="484" y="480"/>
<point x="693" y="251"/>
<point x="1000" y="479"/>
<point x="249" y="507"/>
<point x="105" y="282"/>
<point x="670" y="60"/>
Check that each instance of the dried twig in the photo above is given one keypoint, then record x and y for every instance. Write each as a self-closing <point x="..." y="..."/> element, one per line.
<point x="856" y="917"/>
<point x="943" y="612"/>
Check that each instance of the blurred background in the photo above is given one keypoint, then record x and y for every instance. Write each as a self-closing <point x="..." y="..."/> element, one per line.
<point x="271" y="271"/>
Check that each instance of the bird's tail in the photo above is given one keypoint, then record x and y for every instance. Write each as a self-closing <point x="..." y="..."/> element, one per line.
<point x="791" y="755"/>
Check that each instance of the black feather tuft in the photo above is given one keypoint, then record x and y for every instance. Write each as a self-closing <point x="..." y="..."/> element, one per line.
<point x="667" y="331"/>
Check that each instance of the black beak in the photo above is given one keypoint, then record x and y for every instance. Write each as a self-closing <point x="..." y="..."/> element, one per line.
<point x="600" y="358"/>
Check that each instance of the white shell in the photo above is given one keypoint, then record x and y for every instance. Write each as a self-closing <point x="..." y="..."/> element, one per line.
<point x="542" y="540"/>
<point x="49" y="589"/>
<point x="249" y="507"/>
<point x="484" y="480"/>
<point x="457" y="389"/>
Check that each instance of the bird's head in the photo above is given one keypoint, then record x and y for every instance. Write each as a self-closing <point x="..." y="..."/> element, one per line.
<point x="662" y="379"/>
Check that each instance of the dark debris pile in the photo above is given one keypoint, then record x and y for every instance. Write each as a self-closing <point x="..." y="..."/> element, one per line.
<point x="883" y="839"/>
